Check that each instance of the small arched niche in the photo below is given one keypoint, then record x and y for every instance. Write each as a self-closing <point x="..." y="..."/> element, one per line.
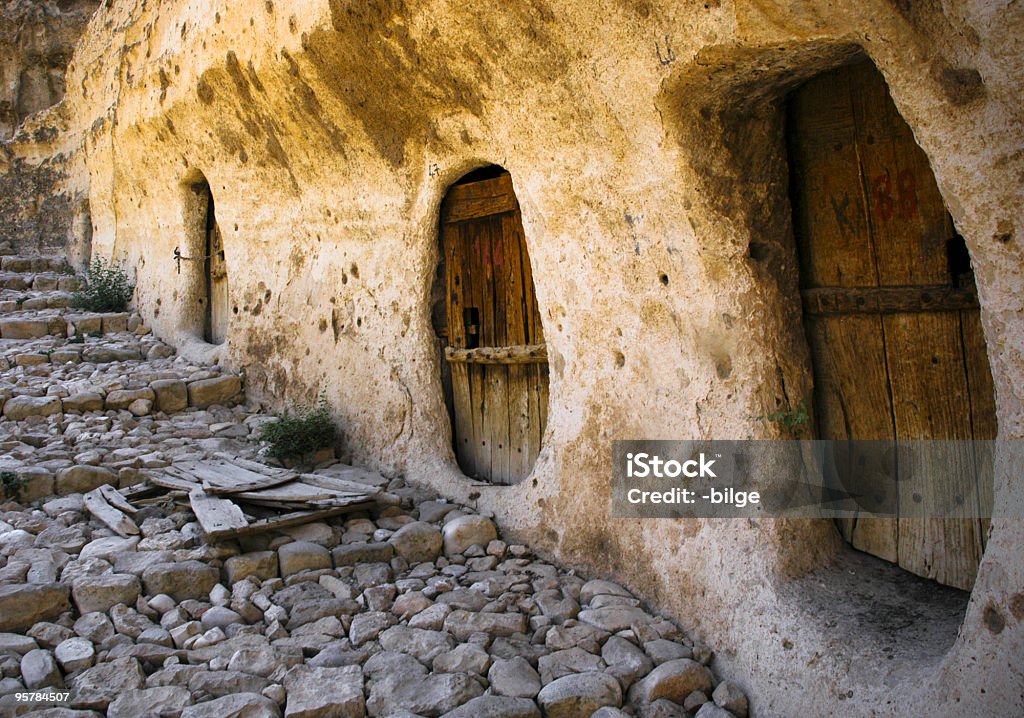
<point x="207" y="269"/>
<point x="891" y="315"/>
<point x="494" y="364"/>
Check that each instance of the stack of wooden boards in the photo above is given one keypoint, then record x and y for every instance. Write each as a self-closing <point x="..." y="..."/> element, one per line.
<point x="234" y="497"/>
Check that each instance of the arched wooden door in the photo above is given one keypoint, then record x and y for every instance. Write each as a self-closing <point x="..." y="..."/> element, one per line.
<point x="496" y="351"/>
<point x="890" y="310"/>
<point x="216" y="277"/>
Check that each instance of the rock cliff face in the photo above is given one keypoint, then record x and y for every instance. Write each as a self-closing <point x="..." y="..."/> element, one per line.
<point x="36" y="43"/>
<point x="41" y="213"/>
<point x="645" y="141"/>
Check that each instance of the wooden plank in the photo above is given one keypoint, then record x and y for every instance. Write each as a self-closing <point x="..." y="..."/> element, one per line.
<point x="216" y="515"/>
<point x="497" y="375"/>
<point x="219" y="476"/>
<point x="296" y="491"/>
<point x="255" y="466"/>
<point x="285" y="520"/>
<point x="338" y="484"/>
<point x="114" y="519"/>
<point x="888" y="300"/>
<point x="475" y="239"/>
<point x="525" y="354"/>
<point x="143" y="490"/>
<point x="463" y="437"/>
<point x="931" y="401"/>
<point x="116" y="499"/>
<point x="520" y="462"/>
<point x="830" y="212"/>
<point x="170" y="479"/>
<point x="476" y="200"/>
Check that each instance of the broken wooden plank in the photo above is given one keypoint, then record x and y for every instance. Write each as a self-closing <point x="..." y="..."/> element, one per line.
<point x="334" y="483"/>
<point x="96" y="504"/>
<point x="295" y="491"/>
<point x="285" y="520"/>
<point x="168" y="480"/>
<point x="254" y="465"/>
<point x="142" y="490"/>
<point x="220" y="476"/>
<point x="116" y="499"/>
<point x="215" y="515"/>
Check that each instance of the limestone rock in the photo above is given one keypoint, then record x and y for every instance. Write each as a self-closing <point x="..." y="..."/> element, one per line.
<point x="123" y="398"/>
<point x="417" y="542"/>
<point x="22" y="407"/>
<point x="217" y="390"/>
<point x="615" y="618"/>
<point x="16" y="643"/>
<point x="21" y="606"/>
<point x="419" y="643"/>
<point x="730" y="697"/>
<point x="579" y="695"/>
<point x="495" y="707"/>
<point x="145" y="702"/>
<point x="710" y="710"/>
<point x="430" y="695"/>
<point x="514" y="677"/>
<point x="238" y="705"/>
<point x="82" y="402"/>
<point x="99" y="593"/>
<point x="673" y="680"/>
<point x="75" y="654"/>
<point x="315" y="692"/>
<point x="82" y="479"/>
<point x="463" y="624"/>
<point x="180" y="581"/>
<point x="100" y="685"/>
<point x="464" y="531"/>
<point x="360" y="552"/>
<point x="300" y="556"/>
<point x="171" y="395"/>
<point x="464" y="658"/>
<point x="39" y="670"/>
<point x="569" y="661"/>
<point x="367" y="626"/>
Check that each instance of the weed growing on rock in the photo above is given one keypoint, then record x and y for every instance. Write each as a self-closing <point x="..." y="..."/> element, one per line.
<point x="296" y="435"/>
<point x="106" y="289"/>
<point x="12" y="485"/>
<point x="792" y="420"/>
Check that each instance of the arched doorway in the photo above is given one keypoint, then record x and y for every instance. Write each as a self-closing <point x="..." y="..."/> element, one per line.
<point x="890" y="308"/>
<point x="209" y="245"/>
<point x="498" y="383"/>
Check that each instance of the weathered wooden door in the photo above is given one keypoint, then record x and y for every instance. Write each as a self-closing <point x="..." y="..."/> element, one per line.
<point x="496" y="352"/>
<point x="216" y="279"/>
<point x="891" y="313"/>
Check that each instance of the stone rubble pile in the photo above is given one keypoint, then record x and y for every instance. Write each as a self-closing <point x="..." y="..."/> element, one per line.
<point x="417" y="609"/>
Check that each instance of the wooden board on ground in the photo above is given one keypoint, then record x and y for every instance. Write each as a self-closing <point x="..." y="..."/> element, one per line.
<point x="223" y="477"/>
<point x="216" y="515"/>
<point x="220" y="488"/>
<point x="281" y="521"/>
<point x="114" y="519"/>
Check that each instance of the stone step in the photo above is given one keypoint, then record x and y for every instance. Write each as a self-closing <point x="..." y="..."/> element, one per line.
<point x="44" y="323"/>
<point x="12" y="301"/>
<point x="46" y="281"/>
<point x="168" y="395"/>
<point x="35" y="264"/>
